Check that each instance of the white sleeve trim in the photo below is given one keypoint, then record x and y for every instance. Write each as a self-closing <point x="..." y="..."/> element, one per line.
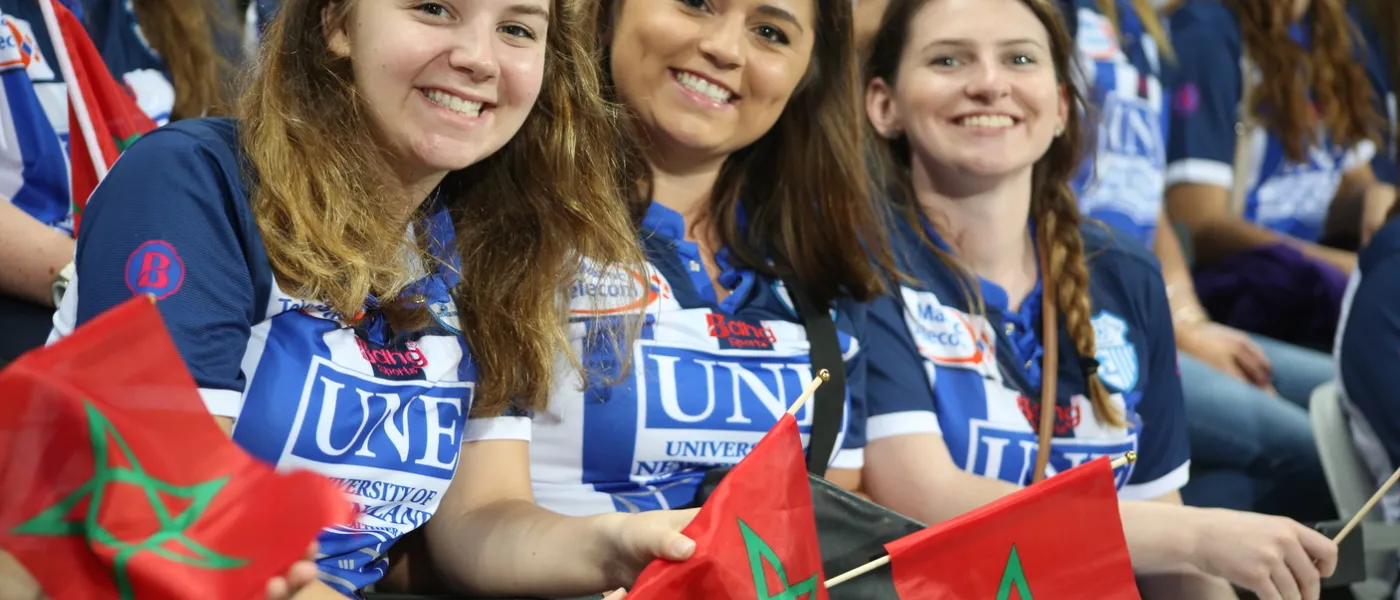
<point x="497" y="428"/>
<point x="848" y="458"/>
<point x="902" y="423"/>
<point x="1360" y="155"/>
<point x="222" y="403"/>
<point x="1200" y="171"/>
<point x="1158" y="487"/>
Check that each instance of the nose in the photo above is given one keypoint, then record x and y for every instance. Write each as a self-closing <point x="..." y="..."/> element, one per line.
<point x="988" y="82"/>
<point x="475" y="54"/>
<point x="722" y="43"/>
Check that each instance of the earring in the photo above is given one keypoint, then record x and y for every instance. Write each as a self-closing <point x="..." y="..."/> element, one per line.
<point x="1059" y="129"/>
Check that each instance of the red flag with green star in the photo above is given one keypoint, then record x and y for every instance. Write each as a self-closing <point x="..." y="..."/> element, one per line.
<point x="755" y="537"/>
<point x="115" y="482"/>
<point x="1059" y="539"/>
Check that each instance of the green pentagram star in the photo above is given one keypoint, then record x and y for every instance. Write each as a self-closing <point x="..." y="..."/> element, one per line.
<point x="54" y="521"/>
<point x="759" y="552"/>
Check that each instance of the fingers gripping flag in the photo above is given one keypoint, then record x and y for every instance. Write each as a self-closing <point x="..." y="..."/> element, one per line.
<point x="115" y="482"/>
<point x="755" y="537"/>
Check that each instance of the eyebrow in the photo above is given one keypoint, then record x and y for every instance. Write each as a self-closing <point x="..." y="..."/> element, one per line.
<point x="1002" y="43"/>
<point x="780" y="14"/>
<point x="529" y="9"/>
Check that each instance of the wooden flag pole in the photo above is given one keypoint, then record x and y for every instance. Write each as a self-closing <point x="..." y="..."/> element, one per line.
<point x="1130" y="457"/>
<point x="801" y="401"/>
<point x="75" y="91"/>
<point x="1366" y="508"/>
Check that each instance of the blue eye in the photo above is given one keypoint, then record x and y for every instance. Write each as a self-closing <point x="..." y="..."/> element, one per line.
<point x="944" y="61"/>
<point x="432" y="8"/>
<point x="696" y="4"/>
<point x="517" y="31"/>
<point x="1022" y="59"/>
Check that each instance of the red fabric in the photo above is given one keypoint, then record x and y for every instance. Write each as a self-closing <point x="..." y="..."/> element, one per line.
<point x="755" y="536"/>
<point x="106" y="445"/>
<point x="1067" y="539"/>
<point x="116" y="118"/>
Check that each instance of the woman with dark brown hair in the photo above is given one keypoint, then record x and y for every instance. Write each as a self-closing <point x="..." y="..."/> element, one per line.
<point x="1273" y="129"/>
<point x="976" y="384"/>
<point x="362" y="273"/>
<point x="750" y="189"/>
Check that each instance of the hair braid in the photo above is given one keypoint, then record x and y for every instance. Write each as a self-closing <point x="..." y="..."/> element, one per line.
<point x="1058" y="216"/>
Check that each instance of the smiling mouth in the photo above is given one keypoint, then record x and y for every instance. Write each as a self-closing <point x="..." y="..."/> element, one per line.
<point x="461" y="106"/>
<point x="716" y="93"/>
<point x="986" y="121"/>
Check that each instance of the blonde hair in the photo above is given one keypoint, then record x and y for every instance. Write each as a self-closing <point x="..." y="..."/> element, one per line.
<point x="523" y="217"/>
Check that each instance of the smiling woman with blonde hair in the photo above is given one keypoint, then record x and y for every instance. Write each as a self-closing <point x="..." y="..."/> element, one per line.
<point x="362" y="274"/>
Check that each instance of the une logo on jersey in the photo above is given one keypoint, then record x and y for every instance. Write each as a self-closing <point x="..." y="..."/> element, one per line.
<point x="401" y="426"/>
<point x="1009" y="455"/>
<point x="1133" y="128"/>
<point x="687" y="389"/>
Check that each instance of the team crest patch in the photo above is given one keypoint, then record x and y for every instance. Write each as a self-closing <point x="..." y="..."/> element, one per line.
<point x="1118" y="358"/>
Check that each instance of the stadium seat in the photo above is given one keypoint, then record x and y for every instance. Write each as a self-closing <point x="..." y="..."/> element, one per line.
<point x="1351" y="484"/>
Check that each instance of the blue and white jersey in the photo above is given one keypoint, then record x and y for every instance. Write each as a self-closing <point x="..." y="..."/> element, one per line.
<point x="1287" y="197"/>
<point x="129" y="56"/>
<point x="383" y="414"/>
<point x="936" y="367"/>
<point x="1368" y="357"/>
<point x="1378" y="70"/>
<point x="1123" y="183"/>
<point x="33" y="118"/>
<point x="708" y="379"/>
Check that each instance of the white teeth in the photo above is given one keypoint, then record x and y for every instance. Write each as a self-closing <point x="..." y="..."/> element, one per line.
<point x="453" y="103"/>
<point x="704" y="88"/>
<point x="987" y="121"/>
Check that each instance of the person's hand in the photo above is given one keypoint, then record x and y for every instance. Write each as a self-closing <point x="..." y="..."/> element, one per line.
<point x="1275" y="557"/>
<point x="297" y="576"/>
<point x="1379" y="200"/>
<point x="616" y="595"/>
<point x="1228" y="350"/>
<point x="16" y="582"/>
<point x="641" y="538"/>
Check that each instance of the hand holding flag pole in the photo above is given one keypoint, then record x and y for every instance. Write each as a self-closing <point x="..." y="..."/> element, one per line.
<point x="1130" y="457"/>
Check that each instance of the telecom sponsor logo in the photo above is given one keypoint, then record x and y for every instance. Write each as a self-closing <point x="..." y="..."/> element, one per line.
<point x="614" y="291"/>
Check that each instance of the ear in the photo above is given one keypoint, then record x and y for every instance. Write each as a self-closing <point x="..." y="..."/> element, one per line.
<point x="337" y="38"/>
<point x="1062" y="112"/>
<point x="882" y="109"/>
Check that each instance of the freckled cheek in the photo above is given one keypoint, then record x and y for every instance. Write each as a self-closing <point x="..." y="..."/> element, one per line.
<point x="522" y="75"/>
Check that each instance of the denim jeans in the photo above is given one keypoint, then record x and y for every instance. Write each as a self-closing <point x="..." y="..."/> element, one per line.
<point x="1251" y="450"/>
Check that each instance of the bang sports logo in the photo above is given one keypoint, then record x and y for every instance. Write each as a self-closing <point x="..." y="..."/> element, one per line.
<point x="155" y="268"/>
<point x="740" y="334"/>
<point x="616" y="290"/>
<point x="393" y="362"/>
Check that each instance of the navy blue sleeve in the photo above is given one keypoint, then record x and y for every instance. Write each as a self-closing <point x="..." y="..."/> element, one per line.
<point x="1368" y="354"/>
<point x="899" y="393"/>
<point x="1205" y="96"/>
<point x="169" y="221"/>
<point x="852" y="318"/>
<point x="1164" y="448"/>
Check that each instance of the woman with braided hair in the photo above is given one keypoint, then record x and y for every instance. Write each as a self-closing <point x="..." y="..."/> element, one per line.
<point x="1273" y="131"/>
<point x="983" y="124"/>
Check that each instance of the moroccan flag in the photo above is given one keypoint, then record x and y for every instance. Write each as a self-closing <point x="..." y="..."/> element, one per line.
<point x="1055" y="540"/>
<point x="755" y="537"/>
<point x="116" y="120"/>
<point x="115" y="482"/>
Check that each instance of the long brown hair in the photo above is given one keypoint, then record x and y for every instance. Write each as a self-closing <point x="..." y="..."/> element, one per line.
<point x="1054" y="206"/>
<point x="1330" y="73"/>
<point x="804" y="185"/>
<point x="524" y="217"/>
<point x="183" y="33"/>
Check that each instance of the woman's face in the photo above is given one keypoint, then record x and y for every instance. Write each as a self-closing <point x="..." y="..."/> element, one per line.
<point x="709" y="77"/>
<point x="976" y="90"/>
<point x="448" y="82"/>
